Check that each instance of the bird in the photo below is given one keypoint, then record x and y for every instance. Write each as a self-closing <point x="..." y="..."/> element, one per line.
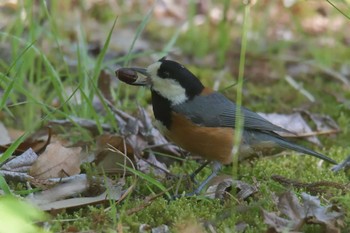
<point x="201" y="120"/>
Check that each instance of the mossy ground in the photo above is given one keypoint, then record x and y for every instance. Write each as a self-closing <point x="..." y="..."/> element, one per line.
<point x="223" y="214"/>
<point x="210" y="51"/>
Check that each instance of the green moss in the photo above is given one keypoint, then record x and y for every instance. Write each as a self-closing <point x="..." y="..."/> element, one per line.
<point x="84" y="219"/>
<point x="171" y="213"/>
<point x="265" y="90"/>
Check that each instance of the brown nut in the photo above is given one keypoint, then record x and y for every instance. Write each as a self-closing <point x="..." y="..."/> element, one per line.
<point x="126" y="75"/>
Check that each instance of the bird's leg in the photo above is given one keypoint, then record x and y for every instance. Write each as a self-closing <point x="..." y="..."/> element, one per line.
<point x="198" y="170"/>
<point x="216" y="168"/>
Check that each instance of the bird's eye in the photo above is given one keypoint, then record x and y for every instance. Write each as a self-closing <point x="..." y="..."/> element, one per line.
<point x="165" y="74"/>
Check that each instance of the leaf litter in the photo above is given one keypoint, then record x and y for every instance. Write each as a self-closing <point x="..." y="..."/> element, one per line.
<point x="57" y="198"/>
<point x="295" y="214"/>
<point x="136" y="142"/>
<point x="57" y="161"/>
<point x="220" y="186"/>
<point x="296" y="124"/>
<point x="140" y="144"/>
<point x="55" y="168"/>
<point x="37" y="142"/>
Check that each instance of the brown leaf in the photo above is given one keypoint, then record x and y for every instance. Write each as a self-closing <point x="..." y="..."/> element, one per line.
<point x="313" y="208"/>
<point x="289" y="205"/>
<point x="57" y="161"/>
<point x="311" y="212"/>
<point x="104" y="84"/>
<point x="110" y="154"/>
<point x="323" y="123"/>
<point x="220" y="184"/>
<point x="35" y="141"/>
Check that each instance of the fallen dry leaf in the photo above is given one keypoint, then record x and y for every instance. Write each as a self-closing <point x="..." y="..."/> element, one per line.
<point x="276" y="223"/>
<point x="296" y="124"/>
<point x="297" y="214"/>
<point x="104" y="84"/>
<point x="151" y="164"/>
<point x="292" y="122"/>
<point x="15" y="176"/>
<point x="57" y="161"/>
<point x="220" y="184"/>
<point x="137" y="135"/>
<point x="21" y="163"/>
<point x="60" y="191"/>
<point x="323" y="122"/>
<point x="110" y="154"/>
<point x="16" y="169"/>
<point x="51" y="199"/>
<point x="36" y="141"/>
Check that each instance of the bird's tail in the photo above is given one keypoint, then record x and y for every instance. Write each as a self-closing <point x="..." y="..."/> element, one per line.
<point x="289" y="145"/>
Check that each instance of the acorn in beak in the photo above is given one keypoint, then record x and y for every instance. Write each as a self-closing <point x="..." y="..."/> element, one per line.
<point x="134" y="76"/>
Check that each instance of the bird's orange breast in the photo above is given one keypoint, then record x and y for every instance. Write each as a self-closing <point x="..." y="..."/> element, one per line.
<point x="208" y="142"/>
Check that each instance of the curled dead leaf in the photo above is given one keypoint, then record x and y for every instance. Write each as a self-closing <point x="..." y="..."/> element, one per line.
<point x="220" y="184"/>
<point x="36" y="141"/>
<point x="310" y="211"/>
<point x="57" y="161"/>
<point x="110" y="154"/>
<point x="22" y="162"/>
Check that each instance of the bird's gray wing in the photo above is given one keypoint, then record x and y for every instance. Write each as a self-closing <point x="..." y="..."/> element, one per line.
<point x="215" y="110"/>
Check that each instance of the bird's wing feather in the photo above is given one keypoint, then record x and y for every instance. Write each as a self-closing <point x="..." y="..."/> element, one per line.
<point x="215" y="110"/>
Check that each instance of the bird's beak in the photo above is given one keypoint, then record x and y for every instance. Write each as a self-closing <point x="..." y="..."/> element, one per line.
<point x="143" y="77"/>
<point x="134" y="76"/>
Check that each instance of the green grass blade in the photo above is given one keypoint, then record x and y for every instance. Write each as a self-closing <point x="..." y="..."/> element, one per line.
<point x="92" y="111"/>
<point x="7" y="154"/>
<point x="101" y="56"/>
<point x="148" y="179"/>
<point x="338" y="9"/>
<point x="138" y="33"/>
<point x="240" y="120"/>
<point x="4" y="186"/>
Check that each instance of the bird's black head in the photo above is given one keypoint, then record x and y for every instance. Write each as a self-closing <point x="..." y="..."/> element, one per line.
<point x="173" y="70"/>
<point x="172" y="81"/>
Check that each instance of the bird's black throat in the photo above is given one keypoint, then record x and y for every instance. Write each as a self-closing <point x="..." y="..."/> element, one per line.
<point x="161" y="109"/>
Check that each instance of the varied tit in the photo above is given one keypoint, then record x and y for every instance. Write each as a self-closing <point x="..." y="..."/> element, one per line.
<point x="201" y="120"/>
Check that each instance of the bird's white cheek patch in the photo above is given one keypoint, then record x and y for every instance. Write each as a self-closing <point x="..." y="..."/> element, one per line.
<point x="153" y="68"/>
<point x="169" y="89"/>
<point x="166" y="87"/>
